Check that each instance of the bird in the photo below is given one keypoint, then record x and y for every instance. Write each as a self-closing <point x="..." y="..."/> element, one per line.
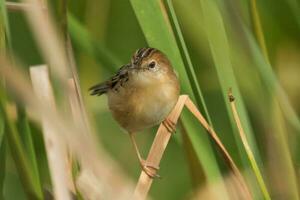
<point x="141" y="95"/>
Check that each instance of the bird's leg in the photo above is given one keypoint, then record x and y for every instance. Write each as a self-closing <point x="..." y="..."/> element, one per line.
<point x="170" y="125"/>
<point x="148" y="169"/>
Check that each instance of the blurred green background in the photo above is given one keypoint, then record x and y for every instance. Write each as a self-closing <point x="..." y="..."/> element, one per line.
<point x="223" y="46"/>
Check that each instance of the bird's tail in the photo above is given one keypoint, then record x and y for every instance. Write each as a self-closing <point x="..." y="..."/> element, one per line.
<point x="99" y="89"/>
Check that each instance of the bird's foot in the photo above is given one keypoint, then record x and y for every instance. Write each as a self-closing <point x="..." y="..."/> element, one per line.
<point x="150" y="170"/>
<point x="170" y="125"/>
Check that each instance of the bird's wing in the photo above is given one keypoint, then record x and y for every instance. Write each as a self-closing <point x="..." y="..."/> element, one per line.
<point x="114" y="82"/>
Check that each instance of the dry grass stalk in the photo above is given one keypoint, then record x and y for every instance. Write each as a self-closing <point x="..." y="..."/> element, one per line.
<point x="205" y="192"/>
<point x="157" y="149"/>
<point x="54" y="53"/>
<point x="16" y="6"/>
<point x="247" y="146"/>
<point x="76" y="86"/>
<point x="74" y="103"/>
<point x="39" y="6"/>
<point x="77" y="118"/>
<point x="238" y="123"/>
<point x="239" y="178"/>
<point x="57" y="52"/>
<point x="55" y="148"/>
<point x="48" y="39"/>
<point x="83" y="146"/>
<point x="162" y="138"/>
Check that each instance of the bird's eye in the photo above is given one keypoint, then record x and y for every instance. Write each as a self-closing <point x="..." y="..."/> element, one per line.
<point x="152" y="64"/>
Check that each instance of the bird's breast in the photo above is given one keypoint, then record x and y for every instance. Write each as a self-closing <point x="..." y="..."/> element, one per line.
<point x="137" y="108"/>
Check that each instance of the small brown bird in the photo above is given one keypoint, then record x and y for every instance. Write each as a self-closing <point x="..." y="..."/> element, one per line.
<point x="142" y="94"/>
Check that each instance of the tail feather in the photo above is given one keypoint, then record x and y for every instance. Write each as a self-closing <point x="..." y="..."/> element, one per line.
<point x="99" y="89"/>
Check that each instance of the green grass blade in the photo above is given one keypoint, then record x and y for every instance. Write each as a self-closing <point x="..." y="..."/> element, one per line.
<point x="4" y="29"/>
<point x="220" y="51"/>
<point x="2" y="155"/>
<point x="24" y="130"/>
<point x="2" y="167"/>
<point x="3" y="25"/>
<point x="187" y="60"/>
<point x="261" y="96"/>
<point x="59" y="8"/>
<point x="290" y="114"/>
<point x="267" y="73"/>
<point x="158" y="32"/>
<point x="295" y="7"/>
<point x="22" y="121"/>
<point x="84" y="41"/>
<point x="249" y="152"/>
<point x="270" y="79"/>
<point x="21" y="161"/>
<point x="258" y="29"/>
<point x="2" y="126"/>
<point x="192" y="78"/>
<point x="280" y="145"/>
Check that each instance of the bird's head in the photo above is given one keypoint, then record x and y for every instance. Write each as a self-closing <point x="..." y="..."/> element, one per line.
<point x="150" y="62"/>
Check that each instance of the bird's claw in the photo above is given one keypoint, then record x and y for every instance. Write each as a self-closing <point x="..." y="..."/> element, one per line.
<point x="150" y="170"/>
<point x="170" y="125"/>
